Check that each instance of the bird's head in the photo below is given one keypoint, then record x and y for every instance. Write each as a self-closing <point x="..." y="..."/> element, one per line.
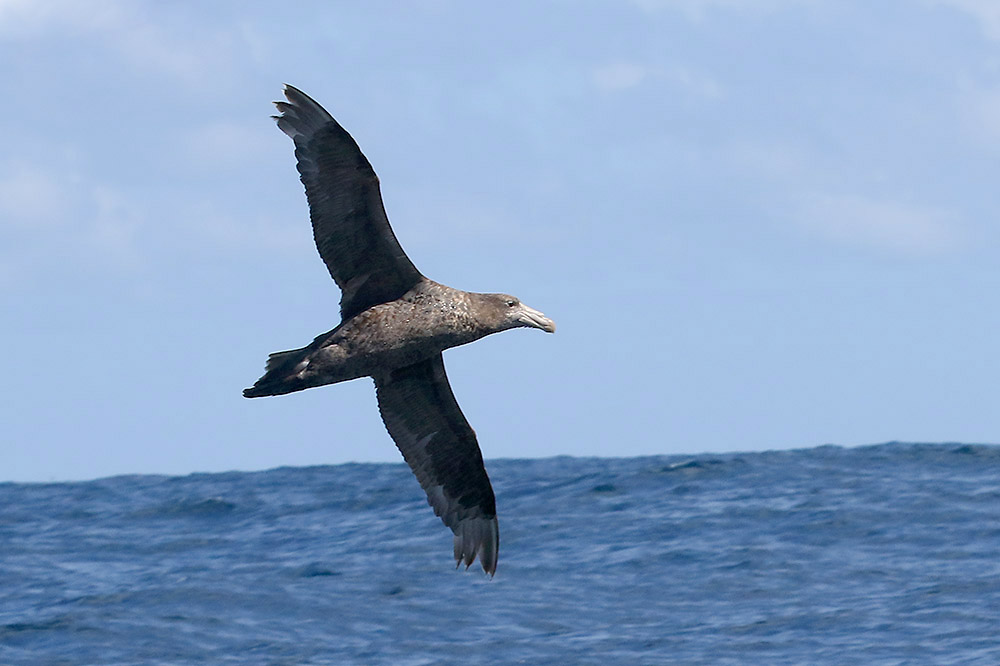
<point x="509" y="312"/>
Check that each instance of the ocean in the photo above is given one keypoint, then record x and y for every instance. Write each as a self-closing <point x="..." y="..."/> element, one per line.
<point x="886" y="554"/>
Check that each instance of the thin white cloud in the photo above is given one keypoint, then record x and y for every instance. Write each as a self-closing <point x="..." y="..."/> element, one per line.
<point x="114" y="225"/>
<point x="135" y="31"/>
<point x="984" y="12"/>
<point x="697" y="9"/>
<point x="226" y="145"/>
<point x="981" y="109"/>
<point x="47" y="212"/>
<point x="206" y="224"/>
<point x="618" y="76"/>
<point x="29" y="196"/>
<point x="779" y="161"/>
<point x="25" y="19"/>
<point x="697" y="82"/>
<point x="882" y="224"/>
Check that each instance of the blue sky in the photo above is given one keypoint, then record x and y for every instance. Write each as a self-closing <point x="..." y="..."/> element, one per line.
<point x="758" y="224"/>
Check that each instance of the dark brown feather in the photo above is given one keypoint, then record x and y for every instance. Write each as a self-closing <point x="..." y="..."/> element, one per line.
<point x="350" y="227"/>
<point x="424" y="419"/>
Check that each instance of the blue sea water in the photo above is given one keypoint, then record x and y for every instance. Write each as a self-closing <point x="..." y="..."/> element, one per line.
<point x="887" y="554"/>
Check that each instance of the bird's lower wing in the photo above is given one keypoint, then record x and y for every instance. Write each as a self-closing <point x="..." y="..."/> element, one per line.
<point x="425" y="421"/>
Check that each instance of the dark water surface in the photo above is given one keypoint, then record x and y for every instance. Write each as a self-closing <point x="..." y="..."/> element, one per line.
<point x="878" y="555"/>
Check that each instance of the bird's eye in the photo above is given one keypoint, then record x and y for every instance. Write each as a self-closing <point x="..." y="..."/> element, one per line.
<point x="511" y="302"/>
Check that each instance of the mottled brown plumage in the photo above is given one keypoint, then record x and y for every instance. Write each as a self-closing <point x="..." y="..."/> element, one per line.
<point x="395" y="324"/>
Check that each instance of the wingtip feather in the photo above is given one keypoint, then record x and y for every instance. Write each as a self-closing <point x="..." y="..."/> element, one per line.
<point x="477" y="537"/>
<point x="300" y="115"/>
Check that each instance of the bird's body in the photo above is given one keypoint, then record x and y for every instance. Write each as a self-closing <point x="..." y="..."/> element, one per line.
<point x="395" y="324"/>
<point x="425" y="321"/>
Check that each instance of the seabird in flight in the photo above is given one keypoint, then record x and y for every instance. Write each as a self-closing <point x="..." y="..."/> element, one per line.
<point x="394" y="325"/>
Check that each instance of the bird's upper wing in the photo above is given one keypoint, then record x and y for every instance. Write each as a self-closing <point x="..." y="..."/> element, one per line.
<point x="421" y="414"/>
<point x="349" y="222"/>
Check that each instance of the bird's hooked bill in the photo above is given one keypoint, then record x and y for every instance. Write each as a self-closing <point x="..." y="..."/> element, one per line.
<point x="535" y="319"/>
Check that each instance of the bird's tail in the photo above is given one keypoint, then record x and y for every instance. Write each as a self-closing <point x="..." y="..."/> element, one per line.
<point x="276" y="379"/>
